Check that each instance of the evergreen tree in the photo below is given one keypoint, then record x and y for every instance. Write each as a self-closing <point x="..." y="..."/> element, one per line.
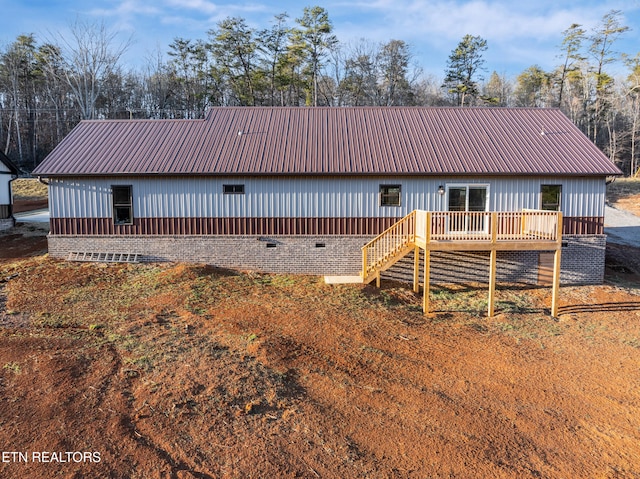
<point x="464" y="64"/>
<point x="315" y="39"/>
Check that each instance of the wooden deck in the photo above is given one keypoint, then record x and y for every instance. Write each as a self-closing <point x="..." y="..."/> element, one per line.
<point x="527" y="230"/>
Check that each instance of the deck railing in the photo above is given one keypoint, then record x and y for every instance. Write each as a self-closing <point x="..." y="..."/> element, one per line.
<point x="430" y="227"/>
<point x="484" y="226"/>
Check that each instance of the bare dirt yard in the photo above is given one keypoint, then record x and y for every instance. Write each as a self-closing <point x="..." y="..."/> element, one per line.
<point x="29" y="194"/>
<point x="624" y="193"/>
<point x="187" y="371"/>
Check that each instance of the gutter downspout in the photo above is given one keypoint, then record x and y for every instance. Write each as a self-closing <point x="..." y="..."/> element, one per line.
<point x="46" y="183"/>
<point x="11" y="217"/>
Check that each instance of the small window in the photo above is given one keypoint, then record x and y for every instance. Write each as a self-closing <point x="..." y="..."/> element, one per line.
<point x="122" y="205"/>
<point x="233" y="189"/>
<point x="550" y="197"/>
<point x="389" y="195"/>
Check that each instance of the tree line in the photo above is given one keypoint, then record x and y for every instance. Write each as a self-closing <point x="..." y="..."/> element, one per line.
<point x="46" y="88"/>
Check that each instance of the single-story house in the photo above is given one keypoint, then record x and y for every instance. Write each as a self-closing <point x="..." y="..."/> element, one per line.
<point x="301" y="190"/>
<point x="8" y="172"/>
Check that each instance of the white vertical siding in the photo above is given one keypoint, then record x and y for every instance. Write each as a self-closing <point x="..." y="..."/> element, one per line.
<point x="580" y="196"/>
<point x="201" y="197"/>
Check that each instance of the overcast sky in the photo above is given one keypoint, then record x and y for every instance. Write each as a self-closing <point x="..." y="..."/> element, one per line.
<point x="518" y="33"/>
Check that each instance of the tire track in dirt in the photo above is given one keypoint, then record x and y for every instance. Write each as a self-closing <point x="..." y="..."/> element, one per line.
<point x="127" y="422"/>
<point x="176" y="465"/>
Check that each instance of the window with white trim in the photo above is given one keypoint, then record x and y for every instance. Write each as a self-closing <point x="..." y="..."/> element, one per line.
<point x="468" y="197"/>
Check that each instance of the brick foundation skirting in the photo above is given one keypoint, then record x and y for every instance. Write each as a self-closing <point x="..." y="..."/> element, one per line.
<point x="582" y="256"/>
<point x="330" y="255"/>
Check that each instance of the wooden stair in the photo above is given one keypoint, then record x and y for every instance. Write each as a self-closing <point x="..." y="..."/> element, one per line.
<point x="385" y="250"/>
<point x="491" y="231"/>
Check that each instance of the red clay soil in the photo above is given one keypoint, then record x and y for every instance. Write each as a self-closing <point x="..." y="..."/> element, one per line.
<point x="175" y="371"/>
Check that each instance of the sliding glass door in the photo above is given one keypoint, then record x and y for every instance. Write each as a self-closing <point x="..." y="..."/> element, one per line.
<point x="471" y="199"/>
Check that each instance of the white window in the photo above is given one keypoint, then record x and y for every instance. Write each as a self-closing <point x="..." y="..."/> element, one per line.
<point x="468" y="197"/>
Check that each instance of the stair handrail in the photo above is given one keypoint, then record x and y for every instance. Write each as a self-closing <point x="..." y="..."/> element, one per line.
<point x="407" y="237"/>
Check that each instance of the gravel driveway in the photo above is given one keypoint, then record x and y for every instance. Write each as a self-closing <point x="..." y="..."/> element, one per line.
<point x="621" y="227"/>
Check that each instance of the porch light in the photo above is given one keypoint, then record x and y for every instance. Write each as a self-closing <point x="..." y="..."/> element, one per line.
<point x="441" y="190"/>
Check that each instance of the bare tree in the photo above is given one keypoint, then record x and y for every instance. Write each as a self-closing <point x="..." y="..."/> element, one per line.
<point x="88" y="56"/>
<point x="19" y="74"/>
<point x="633" y="112"/>
<point x="601" y="50"/>
<point x="361" y="74"/>
<point x="571" y="56"/>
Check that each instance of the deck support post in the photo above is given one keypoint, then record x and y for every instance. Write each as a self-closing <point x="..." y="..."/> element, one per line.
<point x="427" y="285"/>
<point x="492" y="282"/>
<point x="556" y="282"/>
<point x="364" y="263"/>
<point x="557" y="256"/>
<point x="416" y="269"/>
<point x="378" y="279"/>
<point x="492" y="265"/>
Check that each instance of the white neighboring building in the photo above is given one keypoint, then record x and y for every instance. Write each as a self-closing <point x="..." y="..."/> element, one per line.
<point x="8" y="172"/>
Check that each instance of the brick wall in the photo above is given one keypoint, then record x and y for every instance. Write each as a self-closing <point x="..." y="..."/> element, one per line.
<point x="582" y="256"/>
<point x="583" y="259"/>
<point x="333" y="255"/>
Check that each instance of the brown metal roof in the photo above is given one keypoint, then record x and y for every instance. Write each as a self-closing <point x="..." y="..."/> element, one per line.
<point x="349" y="141"/>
